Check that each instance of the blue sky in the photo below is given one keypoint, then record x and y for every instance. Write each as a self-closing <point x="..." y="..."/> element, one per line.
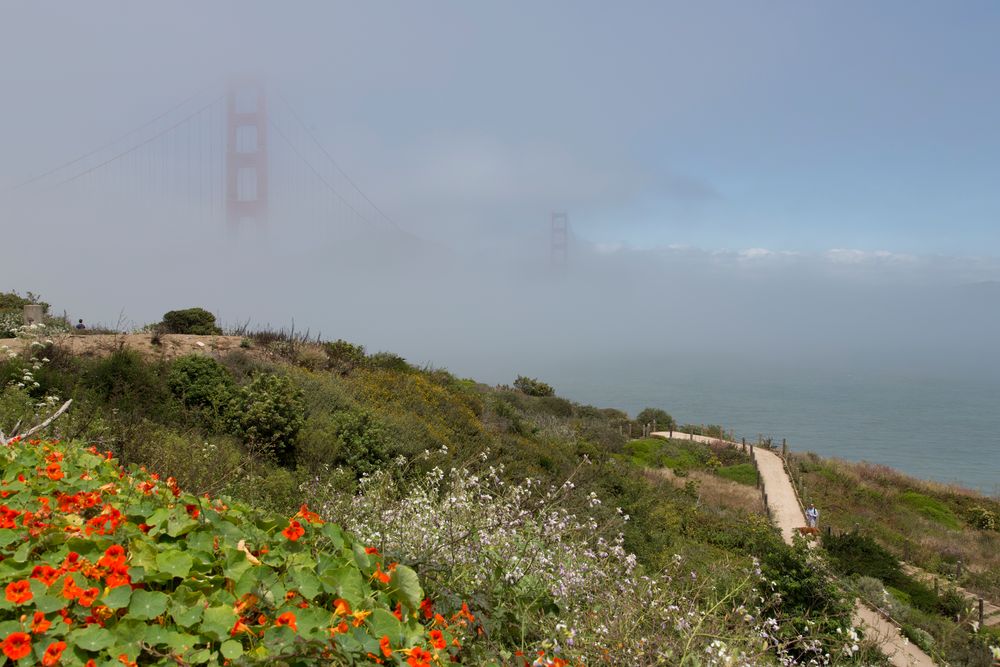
<point x="720" y="125"/>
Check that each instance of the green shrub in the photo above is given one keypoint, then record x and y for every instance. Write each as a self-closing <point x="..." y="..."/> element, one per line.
<point x="363" y="444"/>
<point x="14" y="302"/>
<point x="200" y="381"/>
<point x="344" y="357"/>
<point x="268" y="414"/>
<point x="126" y="381"/>
<point x="190" y="321"/>
<point x="389" y="362"/>
<point x="982" y="518"/>
<point x="533" y="386"/>
<point x="664" y="422"/>
<point x="856" y="553"/>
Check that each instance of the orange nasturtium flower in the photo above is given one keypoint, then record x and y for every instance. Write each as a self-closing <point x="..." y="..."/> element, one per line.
<point x="39" y="623"/>
<point x="341" y="607"/>
<point x="70" y="590"/>
<point x="359" y="617"/>
<point x="53" y="654"/>
<point x="384" y="645"/>
<point x="288" y="618"/>
<point x="17" y="645"/>
<point x="54" y="471"/>
<point x="88" y="596"/>
<point x="419" y="657"/>
<point x="294" y="530"/>
<point x="19" y="592"/>
<point x="437" y="639"/>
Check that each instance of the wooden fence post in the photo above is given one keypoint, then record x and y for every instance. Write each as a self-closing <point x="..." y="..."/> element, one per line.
<point x="654" y="426"/>
<point x="784" y="448"/>
<point x="744" y="444"/>
<point x="980" y="613"/>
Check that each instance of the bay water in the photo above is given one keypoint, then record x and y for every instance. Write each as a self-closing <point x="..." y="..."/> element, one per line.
<point x="936" y="427"/>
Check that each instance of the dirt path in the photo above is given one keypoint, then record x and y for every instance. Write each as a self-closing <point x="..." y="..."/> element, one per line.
<point x="169" y="346"/>
<point x="786" y="512"/>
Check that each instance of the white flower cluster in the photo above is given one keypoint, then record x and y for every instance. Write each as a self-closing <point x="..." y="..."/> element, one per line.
<point x="517" y="550"/>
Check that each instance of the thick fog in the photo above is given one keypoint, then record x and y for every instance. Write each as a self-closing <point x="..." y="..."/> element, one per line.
<point x="748" y="187"/>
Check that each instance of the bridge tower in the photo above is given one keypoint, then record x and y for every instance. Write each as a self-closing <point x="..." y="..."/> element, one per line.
<point x="560" y="239"/>
<point x="246" y="154"/>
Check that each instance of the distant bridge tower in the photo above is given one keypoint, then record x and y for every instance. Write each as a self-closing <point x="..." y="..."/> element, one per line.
<point x="246" y="154"/>
<point x="560" y="239"/>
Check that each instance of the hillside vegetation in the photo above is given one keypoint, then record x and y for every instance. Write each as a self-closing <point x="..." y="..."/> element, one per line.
<point x="528" y="513"/>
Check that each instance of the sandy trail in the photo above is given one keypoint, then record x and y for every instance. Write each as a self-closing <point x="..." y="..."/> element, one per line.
<point x="786" y="513"/>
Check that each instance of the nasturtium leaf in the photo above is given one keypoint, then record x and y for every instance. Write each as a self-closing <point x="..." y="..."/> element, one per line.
<point x="142" y="554"/>
<point x="361" y="558"/>
<point x="334" y="533"/>
<point x="21" y="555"/>
<point x="200" y="656"/>
<point x="174" y="562"/>
<point x="186" y="616"/>
<point x="129" y="631"/>
<point x="181" y="642"/>
<point x="407" y="584"/>
<point x="305" y="582"/>
<point x="201" y="540"/>
<point x="147" y="605"/>
<point x="9" y="537"/>
<point x="217" y="622"/>
<point x="236" y="565"/>
<point x="383" y="622"/>
<point x="314" y="623"/>
<point x="91" y="638"/>
<point x="179" y="523"/>
<point x="349" y="584"/>
<point x="117" y="597"/>
<point x="158" y="519"/>
<point x="231" y="649"/>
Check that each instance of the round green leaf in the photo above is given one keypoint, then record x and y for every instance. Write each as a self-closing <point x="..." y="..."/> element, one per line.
<point x="231" y="649"/>
<point x="147" y="605"/>
<point x="91" y="638"/>
<point x="174" y="562"/>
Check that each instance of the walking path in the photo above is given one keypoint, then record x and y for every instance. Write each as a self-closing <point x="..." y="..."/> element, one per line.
<point x="786" y="512"/>
<point x="991" y="612"/>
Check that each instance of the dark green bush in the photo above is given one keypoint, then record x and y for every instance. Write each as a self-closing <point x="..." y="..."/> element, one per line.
<point x="363" y="444"/>
<point x="664" y="422"/>
<point x="268" y="414"/>
<point x="190" y="321"/>
<point x="533" y="386"/>
<point x="856" y="553"/>
<point x="126" y="381"/>
<point x="200" y="381"/>
<point x="14" y="302"/>
<point x="344" y="357"/>
<point x="389" y="362"/>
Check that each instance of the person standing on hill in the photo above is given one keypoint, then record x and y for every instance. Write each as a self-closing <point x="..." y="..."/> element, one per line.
<point x="81" y="325"/>
<point x="812" y="516"/>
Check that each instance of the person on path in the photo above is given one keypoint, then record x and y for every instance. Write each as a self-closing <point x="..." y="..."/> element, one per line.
<point x="812" y="516"/>
<point x="80" y="325"/>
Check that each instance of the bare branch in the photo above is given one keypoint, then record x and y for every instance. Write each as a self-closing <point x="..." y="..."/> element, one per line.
<point x="35" y="429"/>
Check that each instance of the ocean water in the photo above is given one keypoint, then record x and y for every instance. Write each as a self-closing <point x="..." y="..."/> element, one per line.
<point x="940" y="428"/>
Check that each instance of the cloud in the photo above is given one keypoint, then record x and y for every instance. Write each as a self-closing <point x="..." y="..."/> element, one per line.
<point x="853" y="256"/>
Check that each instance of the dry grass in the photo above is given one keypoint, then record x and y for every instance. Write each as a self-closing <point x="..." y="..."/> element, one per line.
<point x="714" y="491"/>
<point x="921" y="522"/>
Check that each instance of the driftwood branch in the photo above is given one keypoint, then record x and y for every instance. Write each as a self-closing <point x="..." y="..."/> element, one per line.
<point x="35" y="429"/>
